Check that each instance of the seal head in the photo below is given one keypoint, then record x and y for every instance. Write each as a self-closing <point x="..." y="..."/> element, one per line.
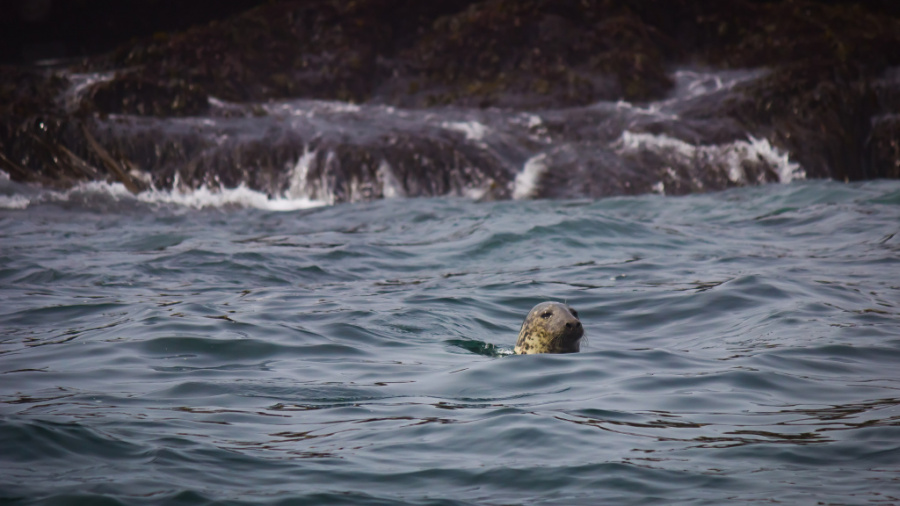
<point x="550" y="327"/>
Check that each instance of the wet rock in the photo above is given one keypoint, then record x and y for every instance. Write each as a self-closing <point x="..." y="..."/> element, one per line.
<point x="884" y="148"/>
<point x="132" y="94"/>
<point x="822" y="122"/>
<point x="534" y="55"/>
<point x="32" y="126"/>
<point x="585" y="170"/>
<point x="278" y="157"/>
<point x="497" y="52"/>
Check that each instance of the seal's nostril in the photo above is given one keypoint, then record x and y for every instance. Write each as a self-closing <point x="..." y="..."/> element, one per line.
<point x="577" y="324"/>
<point x="568" y="325"/>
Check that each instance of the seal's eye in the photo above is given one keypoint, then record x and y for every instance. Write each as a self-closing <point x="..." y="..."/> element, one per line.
<point x="574" y="313"/>
<point x="546" y="314"/>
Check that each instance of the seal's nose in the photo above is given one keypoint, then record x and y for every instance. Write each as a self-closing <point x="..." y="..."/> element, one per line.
<point x="575" y="325"/>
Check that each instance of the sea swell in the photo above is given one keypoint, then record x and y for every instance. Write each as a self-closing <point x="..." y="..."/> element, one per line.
<point x="741" y="346"/>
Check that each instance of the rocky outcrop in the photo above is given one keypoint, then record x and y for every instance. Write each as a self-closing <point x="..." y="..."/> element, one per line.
<point x="828" y="95"/>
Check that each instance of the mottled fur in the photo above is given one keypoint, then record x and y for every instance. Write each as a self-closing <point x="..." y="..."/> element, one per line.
<point x="550" y="327"/>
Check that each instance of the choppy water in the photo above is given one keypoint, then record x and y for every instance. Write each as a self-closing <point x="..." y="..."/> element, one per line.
<point x="742" y="347"/>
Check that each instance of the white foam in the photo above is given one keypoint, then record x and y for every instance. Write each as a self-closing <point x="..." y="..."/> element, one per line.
<point x="309" y="108"/>
<point x="695" y="83"/>
<point x="473" y="130"/>
<point x="299" y="173"/>
<point x="242" y="196"/>
<point x="731" y="155"/>
<point x="787" y="170"/>
<point x="689" y="85"/>
<point x="629" y="141"/>
<point x="336" y="106"/>
<point x="301" y="188"/>
<point x="527" y="180"/>
<point x="390" y="186"/>
<point x="14" y="202"/>
<point x="654" y="109"/>
<point x="80" y="83"/>
<point x="527" y="119"/>
<point x="199" y="198"/>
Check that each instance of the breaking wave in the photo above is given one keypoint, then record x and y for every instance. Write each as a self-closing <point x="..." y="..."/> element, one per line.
<point x="199" y="198"/>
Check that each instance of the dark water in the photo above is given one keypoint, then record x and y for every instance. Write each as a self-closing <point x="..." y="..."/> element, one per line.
<point x="744" y="347"/>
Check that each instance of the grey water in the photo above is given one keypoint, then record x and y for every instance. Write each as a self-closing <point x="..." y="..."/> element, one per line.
<point x="742" y="347"/>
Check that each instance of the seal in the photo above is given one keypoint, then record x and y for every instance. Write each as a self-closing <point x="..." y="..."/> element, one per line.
<point x="550" y="327"/>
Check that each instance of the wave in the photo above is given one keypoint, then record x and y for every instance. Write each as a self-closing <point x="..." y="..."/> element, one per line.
<point x="16" y="196"/>
<point x="295" y="154"/>
<point x="733" y="157"/>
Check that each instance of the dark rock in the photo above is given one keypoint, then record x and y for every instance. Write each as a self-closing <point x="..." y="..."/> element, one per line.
<point x="132" y="94"/>
<point x="69" y="29"/>
<point x="884" y="148"/>
<point x="589" y="171"/>
<point x="829" y="98"/>
<point x="823" y="122"/>
<point x="535" y="54"/>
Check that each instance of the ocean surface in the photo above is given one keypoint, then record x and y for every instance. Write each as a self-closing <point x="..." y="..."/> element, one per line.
<point x="230" y="348"/>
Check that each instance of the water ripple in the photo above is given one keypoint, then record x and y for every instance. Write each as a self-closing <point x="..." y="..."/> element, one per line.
<point x="742" y="348"/>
